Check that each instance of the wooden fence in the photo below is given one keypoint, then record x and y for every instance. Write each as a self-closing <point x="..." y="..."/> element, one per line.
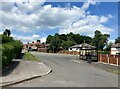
<point x="69" y="52"/>
<point x="109" y="59"/>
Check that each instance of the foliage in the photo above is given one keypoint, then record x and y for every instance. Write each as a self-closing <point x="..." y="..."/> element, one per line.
<point x="54" y="43"/>
<point x="67" y="44"/>
<point x="5" y="39"/>
<point x="104" y="52"/>
<point x="10" y="50"/>
<point x="7" y="32"/>
<point x="117" y="40"/>
<point x="108" y="46"/>
<point x="48" y="39"/>
<point x="100" y="40"/>
<point x="66" y="40"/>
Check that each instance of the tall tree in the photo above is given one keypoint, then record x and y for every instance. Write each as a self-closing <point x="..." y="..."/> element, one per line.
<point x="54" y="44"/>
<point x="48" y="39"/>
<point x="38" y="41"/>
<point x="108" y="46"/>
<point x="100" y="40"/>
<point x="117" y="40"/>
<point x="67" y="44"/>
<point x="7" y="32"/>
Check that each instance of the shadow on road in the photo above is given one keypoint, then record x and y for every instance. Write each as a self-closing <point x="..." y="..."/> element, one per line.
<point x="6" y="71"/>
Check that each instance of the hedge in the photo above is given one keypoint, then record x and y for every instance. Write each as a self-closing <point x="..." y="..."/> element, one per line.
<point x="5" y="39"/>
<point x="10" y="51"/>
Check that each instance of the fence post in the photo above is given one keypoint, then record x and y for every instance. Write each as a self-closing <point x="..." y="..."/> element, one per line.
<point x="100" y="58"/>
<point x="117" y="61"/>
<point x="108" y="58"/>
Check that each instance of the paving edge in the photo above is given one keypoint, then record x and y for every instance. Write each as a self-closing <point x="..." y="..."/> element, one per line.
<point x="27" y="79"/>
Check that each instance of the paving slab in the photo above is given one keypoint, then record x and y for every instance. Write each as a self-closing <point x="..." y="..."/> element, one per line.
<point x="25" y="70"/>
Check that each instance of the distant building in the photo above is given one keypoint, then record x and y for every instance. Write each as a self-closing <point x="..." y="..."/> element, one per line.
<point x="115" y="49"/>
<point x="83" y="48"/>
<point x="36" y="46"/>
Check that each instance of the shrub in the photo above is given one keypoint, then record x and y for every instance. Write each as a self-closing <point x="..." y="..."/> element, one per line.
<point x="10" y="50"/>
<point x="104" y="52"/>
<point x="5" y="39"/>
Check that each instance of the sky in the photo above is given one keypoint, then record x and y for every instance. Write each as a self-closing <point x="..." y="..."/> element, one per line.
<point x="29" y="21"/>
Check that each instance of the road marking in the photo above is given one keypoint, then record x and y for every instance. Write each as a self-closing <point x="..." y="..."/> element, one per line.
<point x="76" y="61"/>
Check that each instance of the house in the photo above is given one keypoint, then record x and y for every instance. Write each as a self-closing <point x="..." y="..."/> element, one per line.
<point x="115" y="49"/>
<point x="83" y="48"/>
<point x="36" y="46"/>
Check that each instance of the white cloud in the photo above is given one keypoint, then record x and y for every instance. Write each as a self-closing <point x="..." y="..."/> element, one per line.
<point x="88" y="25"/>
<point x="103" y="19"/>
<point x="35" y="36"/>
<point x="29" y="17"/>
<point x="43" y="39"/>
<point x="26" y="39"/>
<point x="87" y="4"/>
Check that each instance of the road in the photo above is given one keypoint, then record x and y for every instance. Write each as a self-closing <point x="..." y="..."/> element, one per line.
<point x="69" y="71"/>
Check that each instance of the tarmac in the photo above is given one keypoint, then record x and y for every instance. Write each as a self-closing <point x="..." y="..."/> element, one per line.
<point x="21" y="70"/>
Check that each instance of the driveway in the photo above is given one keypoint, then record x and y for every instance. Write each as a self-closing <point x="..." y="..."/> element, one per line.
<point x="69" y="71"/>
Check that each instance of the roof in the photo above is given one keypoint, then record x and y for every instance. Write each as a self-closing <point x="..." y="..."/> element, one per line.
<point x="76" y="46"/>
<point x="84" y="45"/>
<point x="116" y="45"/>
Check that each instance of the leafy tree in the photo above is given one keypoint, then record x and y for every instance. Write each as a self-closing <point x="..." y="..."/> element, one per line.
<point x="38" y="41"/>
<point x="7" y="32"/>
<point x="108" y="47"/>
<point x="63" y="37"/>
<point x="48" y="39"/>
<point x="5" y="39"/>
<point x="100" y="40"/>
<point x="117" y="40"/>
<point x="67" y="44"/>
<point x="54" y="44"/>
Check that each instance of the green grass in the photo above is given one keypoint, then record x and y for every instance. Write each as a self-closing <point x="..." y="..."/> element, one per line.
<point x="28" y="56"/>
<point x="115" y="71"/>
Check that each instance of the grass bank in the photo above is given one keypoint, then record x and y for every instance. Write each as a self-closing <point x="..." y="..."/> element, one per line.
<point x="28" y="56"/>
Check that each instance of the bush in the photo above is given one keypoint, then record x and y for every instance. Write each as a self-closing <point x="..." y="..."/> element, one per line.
<point x="10" y="50"/>
<point x="5" y="39"/>
<point x="104" y="52"/>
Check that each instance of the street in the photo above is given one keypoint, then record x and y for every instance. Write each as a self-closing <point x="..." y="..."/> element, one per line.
<point x="69" y="71"/>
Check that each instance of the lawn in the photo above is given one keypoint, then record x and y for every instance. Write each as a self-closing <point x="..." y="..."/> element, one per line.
<point x="28" y="56"/>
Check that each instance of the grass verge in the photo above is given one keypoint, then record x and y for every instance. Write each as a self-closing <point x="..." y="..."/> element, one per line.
<point x="28" y="56"/>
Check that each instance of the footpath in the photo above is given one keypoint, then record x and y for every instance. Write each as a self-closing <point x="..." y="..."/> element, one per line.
<point x="21" y="70"/>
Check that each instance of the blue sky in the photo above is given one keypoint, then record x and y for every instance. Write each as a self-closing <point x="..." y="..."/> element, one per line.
<point x="32" y="21"/>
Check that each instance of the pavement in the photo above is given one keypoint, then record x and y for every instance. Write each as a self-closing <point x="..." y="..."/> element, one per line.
<point x="69" y="71"/>
<point x="21" y="70"/>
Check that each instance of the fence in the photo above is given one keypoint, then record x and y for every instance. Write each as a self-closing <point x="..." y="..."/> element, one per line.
<point x="69" y="52"/>
<point x="109" y="59"/>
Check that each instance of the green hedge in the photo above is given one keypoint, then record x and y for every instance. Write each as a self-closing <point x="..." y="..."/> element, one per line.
<point x="104" y="52"/>
<point x="10" y="50"/>
<point x="5" y="39"/>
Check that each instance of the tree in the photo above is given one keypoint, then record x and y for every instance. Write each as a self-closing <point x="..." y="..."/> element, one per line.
<point x="38" y="41"/>
<point x="54" y="44"/>
<point x="48" y="39"/>
<point x="100" y="40"/>
<point x="63" y="37"/>
<point x="117" y="40"/>
<point x="7" y="32"/>
<point x="67" y="44"/>
<point x="108" y="46"/>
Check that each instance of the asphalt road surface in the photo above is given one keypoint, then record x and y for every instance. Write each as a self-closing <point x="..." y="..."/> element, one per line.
<point x="69" y="71"/>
